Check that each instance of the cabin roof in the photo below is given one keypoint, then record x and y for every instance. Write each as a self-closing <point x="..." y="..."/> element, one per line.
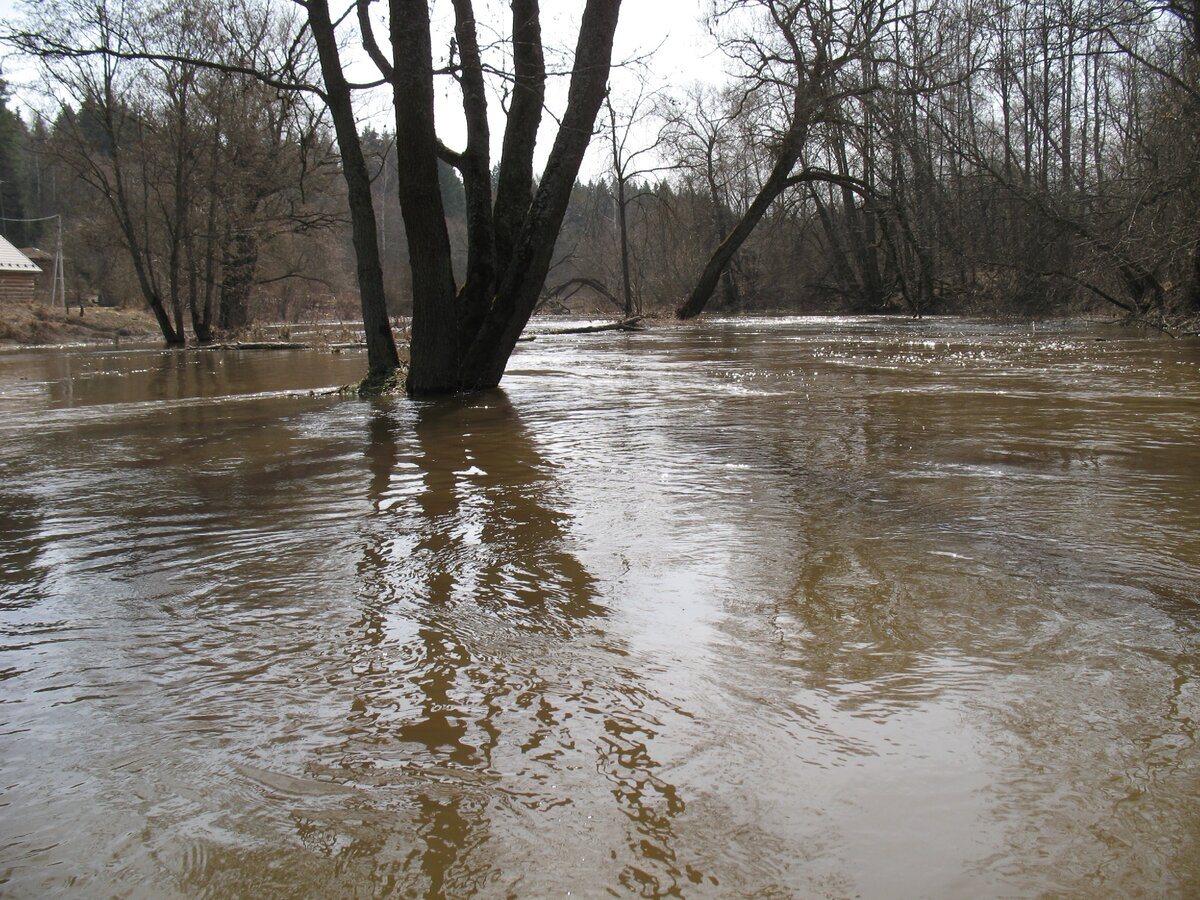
<point x="37" y="255"/>
<point x="13" y="260"/>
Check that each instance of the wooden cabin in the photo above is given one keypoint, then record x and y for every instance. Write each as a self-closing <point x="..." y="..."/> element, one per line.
<point x="42" y="287"/>
<point x="18" y="275"/>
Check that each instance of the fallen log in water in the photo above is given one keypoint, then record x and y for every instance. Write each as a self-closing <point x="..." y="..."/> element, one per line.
<point x="267" y="345"/>
<point x="633" y="324"/>
<point x="278" y="345"/>
<point x="252" y="345"/>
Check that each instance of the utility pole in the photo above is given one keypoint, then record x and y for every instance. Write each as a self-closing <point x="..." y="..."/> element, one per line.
<point x="60" y="278"/>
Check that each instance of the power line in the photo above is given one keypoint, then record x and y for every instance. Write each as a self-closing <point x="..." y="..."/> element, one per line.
<point x="42" y="219"/>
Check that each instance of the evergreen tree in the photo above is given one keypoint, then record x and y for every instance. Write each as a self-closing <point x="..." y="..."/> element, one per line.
<point x="14" y="139"/>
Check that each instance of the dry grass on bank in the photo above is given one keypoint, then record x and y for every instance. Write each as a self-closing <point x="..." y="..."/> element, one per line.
<point x="36" y="323"/>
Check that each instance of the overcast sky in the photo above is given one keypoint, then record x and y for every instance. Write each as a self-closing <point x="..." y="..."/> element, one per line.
<point x="667" y="34"/>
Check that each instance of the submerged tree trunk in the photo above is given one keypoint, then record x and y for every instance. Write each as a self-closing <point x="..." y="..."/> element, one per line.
<point x="382" y="358"/>
<point x="434" y="349"/>
<point x="518" y="292"/>
<point x="202" y="307"/>
<point x="461" y="341"/>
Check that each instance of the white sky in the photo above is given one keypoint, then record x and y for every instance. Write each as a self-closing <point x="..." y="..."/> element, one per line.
<point x="663" y="41"/>
<point x="668" y="35"/>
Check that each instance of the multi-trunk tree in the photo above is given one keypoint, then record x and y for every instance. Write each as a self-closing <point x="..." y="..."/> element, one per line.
<point x="463" y="334"/>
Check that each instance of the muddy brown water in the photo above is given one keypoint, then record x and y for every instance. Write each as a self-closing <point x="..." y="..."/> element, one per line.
<point x="773" y="608"/>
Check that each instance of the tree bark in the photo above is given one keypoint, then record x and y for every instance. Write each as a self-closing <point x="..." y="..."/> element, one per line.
<point x="475" y="166"/>
<point x="775" y="184"/>
<point x="517" y="296"/>
<point x="514" y="189"/>
<point x="382" y="358"/>
<point x="434" y="349"/>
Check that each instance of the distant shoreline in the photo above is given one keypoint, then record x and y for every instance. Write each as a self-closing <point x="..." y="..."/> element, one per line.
<point x="30" y="326"/>
<point x="35" y="324"/>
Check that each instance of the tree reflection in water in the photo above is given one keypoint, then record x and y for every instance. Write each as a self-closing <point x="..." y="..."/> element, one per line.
<point x="468" y="681"/>
<point x="817" y="613"/>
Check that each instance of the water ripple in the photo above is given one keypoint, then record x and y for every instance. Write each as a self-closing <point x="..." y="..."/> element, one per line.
<point x="790" y="607"/>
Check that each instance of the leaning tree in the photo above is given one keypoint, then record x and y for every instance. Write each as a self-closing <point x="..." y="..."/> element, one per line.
<point x="802" y="63"/>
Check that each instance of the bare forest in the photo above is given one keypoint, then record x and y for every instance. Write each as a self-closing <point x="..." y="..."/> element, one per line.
<point x="215" y="163"/>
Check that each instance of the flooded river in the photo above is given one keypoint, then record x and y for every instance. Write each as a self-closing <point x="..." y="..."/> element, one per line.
<point x="769" y="608"/>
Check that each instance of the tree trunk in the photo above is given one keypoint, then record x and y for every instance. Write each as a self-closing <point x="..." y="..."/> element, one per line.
<point x="514" y="188"/>
<point x="517" y="296"/>
<point x="202" y="307"/>
<point x="464" y="344"/>
<point x="476" y="169"/>
<point x="382" y="358"/>
<point x="239" y="266"/>
<point x="200" y="325"/>
<point x="774" y="186"/>
<point x="179" y="230"/>
<point x="118" y="200"/>
<point x="623" y="229"/>
<point x="434" y="348"/>
<point x="622" y="212"/>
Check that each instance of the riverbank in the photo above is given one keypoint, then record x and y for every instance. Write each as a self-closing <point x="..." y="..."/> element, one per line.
<point x="35" y="324"/>
<point x="23" y="324"/>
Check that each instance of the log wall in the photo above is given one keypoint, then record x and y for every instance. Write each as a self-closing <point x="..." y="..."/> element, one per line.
<point x="17" y="286"/>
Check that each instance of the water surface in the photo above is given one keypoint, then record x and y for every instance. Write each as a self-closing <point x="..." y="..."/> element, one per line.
<point x="774" y="608"/>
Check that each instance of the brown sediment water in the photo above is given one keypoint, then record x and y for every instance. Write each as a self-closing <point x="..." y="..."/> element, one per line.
<point x="757" y="607"/>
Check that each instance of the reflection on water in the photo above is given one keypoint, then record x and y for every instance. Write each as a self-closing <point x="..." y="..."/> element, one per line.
<point x="750" y="608"/>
